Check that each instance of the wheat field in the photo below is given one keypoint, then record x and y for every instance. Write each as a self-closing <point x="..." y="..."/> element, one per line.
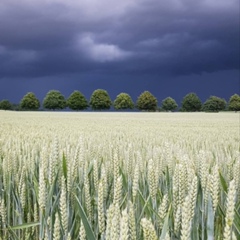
<point x="127" y="176"/>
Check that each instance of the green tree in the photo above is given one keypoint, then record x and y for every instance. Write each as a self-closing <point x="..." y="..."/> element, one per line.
<point x="169" y="104"/>
<point x="234" y="103"/>
<point x="191" y="103"/>
<point x="77" y="101"/>
<point x="147" y="102"/>
<point x="5" y="105"/>
<point x="54" y="100"/>
<point x="214" y="104"/>
<point x="123" y="101"/>
<point x="100" y="100"/>
<point x="29" y="102"/>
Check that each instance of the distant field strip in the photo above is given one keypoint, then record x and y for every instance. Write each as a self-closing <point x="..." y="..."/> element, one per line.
<point x="70" y="175"/>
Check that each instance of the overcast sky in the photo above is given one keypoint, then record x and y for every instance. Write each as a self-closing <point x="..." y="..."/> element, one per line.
<point x="169" y="47"/>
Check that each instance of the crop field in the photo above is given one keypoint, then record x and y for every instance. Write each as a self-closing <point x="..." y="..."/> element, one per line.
<point x="126" y="176"/>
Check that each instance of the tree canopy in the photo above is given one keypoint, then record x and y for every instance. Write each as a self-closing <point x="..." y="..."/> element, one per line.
<point x="29" y="102"/>
<point x="77" y="101"/>
<point x="123" y="101"/>
<point x="147" y="102"/>
<point x="191" y="103"/>
<point x="100" y="100"/>
<point x="214" y="104"/>
<point x="5" y="105"/>
<point x="54" y="100"/>
<point x="234" y="103"/>
<point x="169" y="104"/>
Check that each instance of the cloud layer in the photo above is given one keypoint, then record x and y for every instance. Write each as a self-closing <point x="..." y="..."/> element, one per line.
<point x="39" y="38"/>
<point x="114" y="44"/>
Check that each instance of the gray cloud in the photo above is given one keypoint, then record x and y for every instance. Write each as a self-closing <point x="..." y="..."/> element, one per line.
<point x="54" y="37"/>
<point x="100" y="52"/>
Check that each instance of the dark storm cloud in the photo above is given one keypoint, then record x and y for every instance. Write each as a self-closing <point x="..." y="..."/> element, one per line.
<point x="44" y="38"/>
<point x="222" y="84"/>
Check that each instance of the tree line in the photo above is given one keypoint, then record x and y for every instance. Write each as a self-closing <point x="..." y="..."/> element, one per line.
<point x="100" y="100"/>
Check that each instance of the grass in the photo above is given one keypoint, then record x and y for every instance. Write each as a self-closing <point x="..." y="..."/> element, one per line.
<point x="66" y="175"/>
